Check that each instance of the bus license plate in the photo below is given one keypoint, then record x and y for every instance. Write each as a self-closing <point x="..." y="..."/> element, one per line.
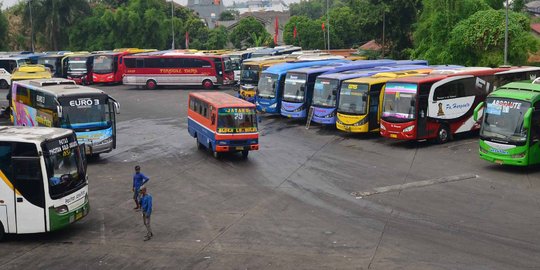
<point x="78" y="216"/>
<point x="239" y="148"/>
<point x="393" y="135"/>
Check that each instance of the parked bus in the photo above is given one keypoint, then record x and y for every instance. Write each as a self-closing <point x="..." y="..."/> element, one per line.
<point x="272" y="82"/>
<point x="278" y="50"/>
<point x="78" y="67"/>
<point x="53" y="62"/>
<point x="359" y="108"/>
<point x="7" y="65"/>
<point x="61" y="103"/>
<point x="44" y="184"/>
<point x="327" y="87"/>
<point x="299" y="84"/>
<point x="440" y="105"/>
<point x="510" y="132"/>
<point x="109" y="67"/>
<point x="222" y="123"/>
<point x="153" y="69"/>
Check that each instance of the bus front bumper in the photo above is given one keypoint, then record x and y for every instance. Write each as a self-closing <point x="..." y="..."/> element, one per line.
<point x="61" y="220"/>
<point x="352" y="128"/>
<point x="104" y="146"/>
<point x="503" y="159"/>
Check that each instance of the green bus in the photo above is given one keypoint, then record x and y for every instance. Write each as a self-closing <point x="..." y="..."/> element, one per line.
<point x="510" y="132"/>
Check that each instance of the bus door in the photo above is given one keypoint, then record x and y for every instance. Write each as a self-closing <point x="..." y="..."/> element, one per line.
<point x="29" y="196"/>
<point x="534" y="138"/>
<point x="422" y="112"/>
<point x="374" y="98"/>
<point x="114" y="108"/>
<point x="218" y="65"/>
<point x="7" y="195"/>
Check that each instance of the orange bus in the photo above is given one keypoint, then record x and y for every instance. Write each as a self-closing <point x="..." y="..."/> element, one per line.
<point x="222" y="123"/>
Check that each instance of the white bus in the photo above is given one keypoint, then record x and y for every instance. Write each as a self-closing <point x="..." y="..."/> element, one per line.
<point x="43" y="181"/>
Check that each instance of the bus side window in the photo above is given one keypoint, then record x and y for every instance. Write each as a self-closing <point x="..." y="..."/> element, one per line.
<point x="27" y="173"/>
<point x="23" y="95"/>
<point x="5" y="159"/>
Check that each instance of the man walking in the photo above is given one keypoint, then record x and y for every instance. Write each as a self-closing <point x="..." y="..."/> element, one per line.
<point x="146" y="205"/>
<point x="139" y="179"/>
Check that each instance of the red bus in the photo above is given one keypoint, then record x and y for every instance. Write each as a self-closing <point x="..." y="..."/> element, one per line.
<point x="154" y="69"/>
<point x="109" y="67"/>
<point x="222" y="123"/>
<point x="442" y="104"/>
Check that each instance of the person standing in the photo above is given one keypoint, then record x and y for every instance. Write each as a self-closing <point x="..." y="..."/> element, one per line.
<point x="146" y="205"/>
<point x="139" y="179"/>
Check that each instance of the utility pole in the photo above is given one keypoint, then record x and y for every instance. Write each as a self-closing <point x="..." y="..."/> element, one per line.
<point x="506" y="37"/>
<point x="328" y="23"/>
<point x="31" y="26"/>
<point x="172" y="24"/>
<point x="383" y="30"/>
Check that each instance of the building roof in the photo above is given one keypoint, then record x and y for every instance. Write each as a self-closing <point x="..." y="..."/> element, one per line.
<point x="371" y="45"/>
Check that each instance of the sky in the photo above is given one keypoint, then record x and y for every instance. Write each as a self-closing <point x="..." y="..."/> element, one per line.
<point x="8" y="3"/>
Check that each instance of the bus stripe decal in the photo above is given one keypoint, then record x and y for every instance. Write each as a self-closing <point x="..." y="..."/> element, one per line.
<point x="8" y="183"/>
<point x="232" y="134"/>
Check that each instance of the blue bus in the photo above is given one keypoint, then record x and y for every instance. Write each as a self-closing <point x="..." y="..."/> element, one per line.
<point x="272" y="80"/>
<point x="299" y="83"/>
<point x="326" y="90"/>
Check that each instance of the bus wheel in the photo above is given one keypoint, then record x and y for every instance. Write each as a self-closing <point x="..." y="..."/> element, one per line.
<point x="207" y="84"/>
<point x="4" y="84"/>
<point x="443" y="134"/>
<point x="151" y="84"/>
<point x="199" y="144"/>
<point x="245" y="154"/>
<point x="2" y="232"/>
<point x="216" y="154"/>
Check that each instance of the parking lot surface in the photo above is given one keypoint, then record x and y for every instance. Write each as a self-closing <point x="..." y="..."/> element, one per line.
<point x="308" y="199"/>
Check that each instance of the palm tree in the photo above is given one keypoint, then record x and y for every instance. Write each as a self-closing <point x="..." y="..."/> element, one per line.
<point x="52" y="18"/>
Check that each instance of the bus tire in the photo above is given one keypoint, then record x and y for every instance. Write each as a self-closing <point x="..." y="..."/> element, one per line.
<point x="4" y="84"/>
<point x="2" y="232"/>
<point x="151" y="84"/>
<point x="199" y="144"/>
<point x="207" y="84"/>
<point x="443" y="134"/>
<point x="245" y="154"/>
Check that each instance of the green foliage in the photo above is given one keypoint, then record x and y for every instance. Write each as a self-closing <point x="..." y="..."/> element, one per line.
<point x="3" y="30"/>
<point x="309" y="33"/>
<point x="479" y="39"/>
<point x="312" y="9"/>
<point x="436" y="21"/>
<point x="227" y="15"/>
<point x="217" y="38"/>
<point x="518" y="5"/>
<point x="240" y="36"/>
<point x="495" y="4"/>
<point x="52" y="19"/>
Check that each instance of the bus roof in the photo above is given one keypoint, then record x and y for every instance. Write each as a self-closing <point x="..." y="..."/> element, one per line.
<point x="321" y="68"/>
<point x="519" y="69"/>
<point x="222" y="100"/>
<point x="31" y="134"/>
<point x="386" y="76"/>
<point x="171" y="55"/>
<point x="59" y="87"/>
<point x="518" y="90"/>
<point x="26" y="72"/>
<point x="356" y="73"/>
<point x="284" y="67"/>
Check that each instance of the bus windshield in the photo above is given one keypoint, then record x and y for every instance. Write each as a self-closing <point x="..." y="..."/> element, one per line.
<point x="65" y="170"/>
<point x="83" y="113"/>
<point x="103" y="64"/>
<point x="50" y="62"/>
<point x="324" y="92"/>
<point x="353" y="98"/>
<point x="228" y="64"/>
<point x="295" y="87"/>
<point x="237" y="120"/>
<point x="250" y="73"/>
<point x="267" y="85"/>
<point x="78" y="65"/>
<point x="503" y="120"/>
<point x="398" y="101"/>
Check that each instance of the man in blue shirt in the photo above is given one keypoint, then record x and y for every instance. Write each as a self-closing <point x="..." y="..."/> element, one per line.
<point x="146" y="205"/>
<point x="139" y="179"/>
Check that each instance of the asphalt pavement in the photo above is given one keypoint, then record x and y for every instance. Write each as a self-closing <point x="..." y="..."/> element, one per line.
<point x="308" y="199"/>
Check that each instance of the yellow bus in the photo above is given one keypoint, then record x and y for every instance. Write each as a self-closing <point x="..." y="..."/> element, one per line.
<point x="28" y="72"/>
<point x="249" y="75"/>
<point x="359" y="106"/>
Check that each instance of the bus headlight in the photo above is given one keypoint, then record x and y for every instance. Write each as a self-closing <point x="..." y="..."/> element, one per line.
<point x="299" y="109"/>
<point x="520" y="155"/>
<point x="273" y="106"/>
<point x="382" y="127"/>
<point x="482" y="150"/>
<point x="407" y="129"/>
<point x="105" y="141"/>
<point x="62" y="209"/>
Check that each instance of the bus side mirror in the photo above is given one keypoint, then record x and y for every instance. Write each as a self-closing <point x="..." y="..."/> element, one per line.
<point x="274" y="85"/>
<point x="59" y="111"/>
<point x="413" y="102"/>
<point x="303" y="88"/>
<point x="213" y="119"/>
<point x="527" y="119"/>
<point x="82" y="150"/>
<point x="477" y="109"/>
<point x="116" y="107"/>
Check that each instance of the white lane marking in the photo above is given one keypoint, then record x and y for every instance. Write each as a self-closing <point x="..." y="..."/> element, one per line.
<point x="429" y="182"/>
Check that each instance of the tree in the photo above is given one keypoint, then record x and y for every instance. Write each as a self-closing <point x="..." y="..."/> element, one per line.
<point x="313" y="9"/>
<point x="436" y="21"/>
<point x="52" y="19"/>
<point x="3" y="30"/>
<point x="240" y="35"/>
<point x="479" y="39"/>
<point x="217" y="38"/>
<point x="309" y="33"/>
<point x="227" y="15"/>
